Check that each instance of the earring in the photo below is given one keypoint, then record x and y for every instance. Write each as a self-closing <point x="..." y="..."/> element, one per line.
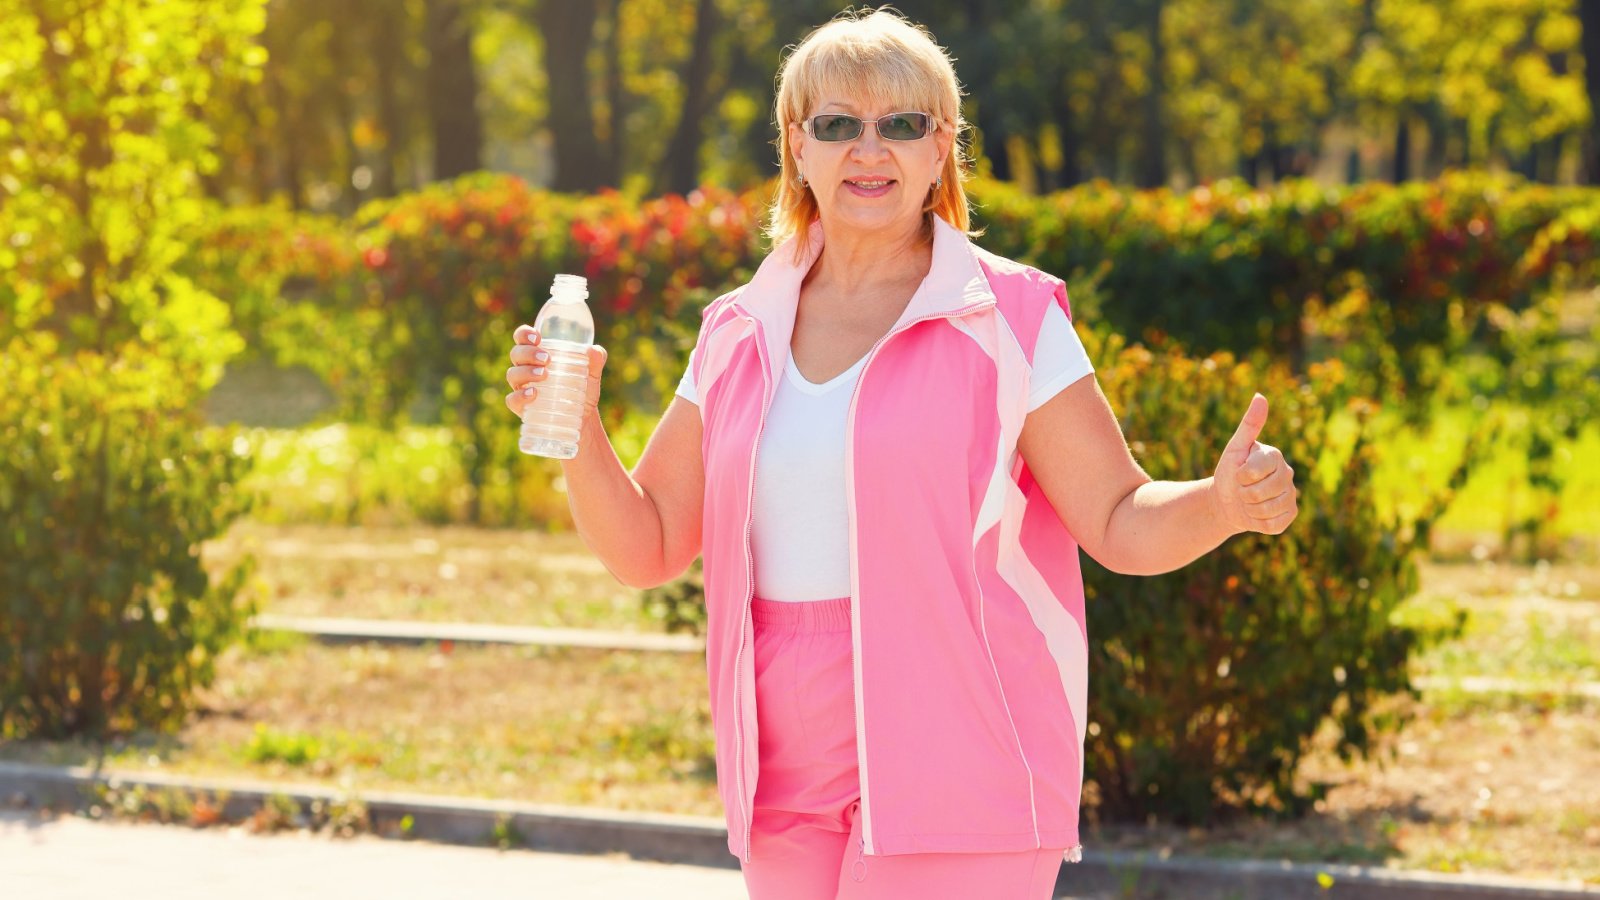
<point x="938" y="181"/>
<point x="800" y="179"/>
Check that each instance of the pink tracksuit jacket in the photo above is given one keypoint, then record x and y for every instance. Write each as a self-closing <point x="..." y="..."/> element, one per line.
<point x="968" y="627"/>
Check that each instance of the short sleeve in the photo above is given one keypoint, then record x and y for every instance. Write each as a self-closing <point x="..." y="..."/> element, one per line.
<point x="686" y="388"/>
<point x="1058" y="358"/>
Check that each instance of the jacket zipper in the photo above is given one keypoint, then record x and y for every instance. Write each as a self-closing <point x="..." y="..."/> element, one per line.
<point x="855" y="587"/>
<point x="750" y="579"/>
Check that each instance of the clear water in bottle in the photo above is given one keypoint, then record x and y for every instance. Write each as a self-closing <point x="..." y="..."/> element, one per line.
<point x="552" y="422"/>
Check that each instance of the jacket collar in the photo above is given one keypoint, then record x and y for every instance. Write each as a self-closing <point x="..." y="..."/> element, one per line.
<point x="955" y="283"/>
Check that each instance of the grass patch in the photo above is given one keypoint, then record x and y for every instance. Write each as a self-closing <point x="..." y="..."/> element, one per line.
<point x="620" y="730"/>
<point x="349" y="474"/>
<point x="1537" y="624"/>
<point x="432" y="573"/>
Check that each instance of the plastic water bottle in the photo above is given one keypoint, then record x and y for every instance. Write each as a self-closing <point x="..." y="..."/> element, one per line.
<point x="552" y="422"/>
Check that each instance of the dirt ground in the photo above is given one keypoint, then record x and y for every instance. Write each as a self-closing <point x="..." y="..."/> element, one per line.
<point x="1475" y="782"/>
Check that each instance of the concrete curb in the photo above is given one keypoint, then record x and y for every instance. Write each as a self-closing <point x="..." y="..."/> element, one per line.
<point x="700" y="840"/>
<point x="409" y="632"/>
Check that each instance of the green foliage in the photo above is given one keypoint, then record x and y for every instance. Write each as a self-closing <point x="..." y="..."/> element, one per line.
<point x="98" y="190"/>
<point x="301" y="293"/>
<point x="462" y="264"/>
<point x="1499" y="69"/>
<point x="679" y="605"/>
<point x="108" y="487"/>
<point x="1060" y="90"/>
<point x="270" y="745"/>
<point x="1210" y="682"/>
<point x="1228" y="267"/>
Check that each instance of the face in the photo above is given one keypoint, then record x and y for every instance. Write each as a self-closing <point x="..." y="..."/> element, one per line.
<point x="869" y="184"/>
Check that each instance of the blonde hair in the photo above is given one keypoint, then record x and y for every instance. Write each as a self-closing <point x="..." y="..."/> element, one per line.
<point x="879" y="56"/>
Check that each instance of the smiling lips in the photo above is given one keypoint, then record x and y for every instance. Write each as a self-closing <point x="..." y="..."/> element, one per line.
<point x="865" y="187"/>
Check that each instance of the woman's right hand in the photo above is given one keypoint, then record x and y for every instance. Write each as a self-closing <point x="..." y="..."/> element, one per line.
<point x="528" y="364"/>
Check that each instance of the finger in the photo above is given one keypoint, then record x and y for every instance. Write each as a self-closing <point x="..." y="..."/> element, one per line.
<point x="520" y="376"/>
<point x="1255" y="418"/>
<point x="1263" y="490"/>
<point x="518" y="400"/>
<point x="1261" y="464"/>
<point x="529" y="355"/>
<point x="597" y="360"/>
<point x="525" y="334"/>
<point x="1264" y="466"/>
<point x="1276" y="524"/>
<point x="1271" y="509"/>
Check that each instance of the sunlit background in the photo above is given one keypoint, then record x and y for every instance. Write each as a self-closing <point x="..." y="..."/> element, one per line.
<point x="260" y="261"/>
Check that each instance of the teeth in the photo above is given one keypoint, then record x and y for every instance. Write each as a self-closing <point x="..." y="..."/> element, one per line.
<point x="869" y="184"/>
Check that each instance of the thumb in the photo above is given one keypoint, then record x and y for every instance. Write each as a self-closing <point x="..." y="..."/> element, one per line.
<point x="1255" y="418"/>
<point x="597" y="360"/>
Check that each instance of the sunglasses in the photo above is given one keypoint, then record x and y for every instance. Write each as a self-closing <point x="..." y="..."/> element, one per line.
<point x="901" y="126"/>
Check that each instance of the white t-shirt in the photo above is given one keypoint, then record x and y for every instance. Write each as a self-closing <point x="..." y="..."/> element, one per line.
<point x="801" y="530"/>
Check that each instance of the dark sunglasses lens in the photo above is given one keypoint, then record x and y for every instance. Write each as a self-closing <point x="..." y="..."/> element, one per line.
<point x="836" y="128"/>
<point x="903" y="126"/>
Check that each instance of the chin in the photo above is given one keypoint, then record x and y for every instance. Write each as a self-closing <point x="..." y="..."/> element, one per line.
<point x="882" y="219"/>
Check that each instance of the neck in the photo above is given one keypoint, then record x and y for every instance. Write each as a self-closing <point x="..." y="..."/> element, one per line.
<point x="857" y="261"/>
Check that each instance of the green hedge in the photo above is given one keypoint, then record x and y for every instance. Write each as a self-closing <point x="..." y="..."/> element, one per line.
<point x="416" y="297"/>
<point x="108" y="487"/>
<point x="1208" y="683"/>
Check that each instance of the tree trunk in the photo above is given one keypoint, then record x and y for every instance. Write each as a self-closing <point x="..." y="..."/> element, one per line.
<point x="1402" y="151"/>
<point x="994" y="141"/>
<point x="1589" y="15"/>
<point x="1071" y="144"/>
<point x="1152" y="171"/>
<point x="344" y="113"/>
<point x="1434" y="160"/>
<point x="680" y="170"/>
<point x="1250" y="169"/>
<point x="567" y="27"/>
<point x="453" y="91"/>
<point x="616" y="92"/>
<point x="386" y="57"/>
<point x="291" y="179"/>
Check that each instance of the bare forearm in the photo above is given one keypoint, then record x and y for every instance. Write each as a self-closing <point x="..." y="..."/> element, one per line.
<point x="1161" y="526"/>
<point x="613" y="514"/>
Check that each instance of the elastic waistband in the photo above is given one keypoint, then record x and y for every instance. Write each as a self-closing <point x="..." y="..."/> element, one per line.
<point x="807" y="616"/>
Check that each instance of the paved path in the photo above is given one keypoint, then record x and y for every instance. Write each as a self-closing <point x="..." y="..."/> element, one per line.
<point x="70" y="858"/>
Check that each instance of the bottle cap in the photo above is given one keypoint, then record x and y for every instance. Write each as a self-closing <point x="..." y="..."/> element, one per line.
<point x="570" y="287"/>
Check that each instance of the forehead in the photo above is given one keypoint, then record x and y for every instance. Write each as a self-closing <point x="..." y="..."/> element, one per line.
<point x="864" y="108"/>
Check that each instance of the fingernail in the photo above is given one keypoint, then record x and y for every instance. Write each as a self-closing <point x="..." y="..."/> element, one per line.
<point x="527" y="391"/>
<point x="538" y="370"/>
<point x="541" y="356"/>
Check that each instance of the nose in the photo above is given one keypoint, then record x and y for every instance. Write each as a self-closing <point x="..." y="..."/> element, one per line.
<point x="869" y="145"/>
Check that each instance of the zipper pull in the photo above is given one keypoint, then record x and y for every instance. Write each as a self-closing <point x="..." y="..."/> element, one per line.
<point x="858" y="871"/>
<point x="1074" y="854"/>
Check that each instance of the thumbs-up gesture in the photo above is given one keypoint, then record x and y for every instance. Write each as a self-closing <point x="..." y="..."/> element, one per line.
<point x="1253" y="485"/>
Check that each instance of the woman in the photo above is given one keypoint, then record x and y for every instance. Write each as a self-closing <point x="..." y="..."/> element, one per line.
<point x="889" y="446"/>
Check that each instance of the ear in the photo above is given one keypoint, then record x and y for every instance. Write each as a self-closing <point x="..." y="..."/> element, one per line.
<point x="797" y="141"/>
<point x="945" y="139"/>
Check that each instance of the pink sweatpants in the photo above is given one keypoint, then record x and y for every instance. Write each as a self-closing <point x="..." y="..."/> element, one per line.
<point x="805" y="841"/>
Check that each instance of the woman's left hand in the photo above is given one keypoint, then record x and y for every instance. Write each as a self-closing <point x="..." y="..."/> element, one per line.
<point x="1253" y="486"/>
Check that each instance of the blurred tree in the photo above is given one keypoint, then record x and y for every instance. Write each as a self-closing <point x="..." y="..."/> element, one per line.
<point x="653" y="95"/>
<point x="680" y="171"/>
<point x="98" y="189"/>
<point x="1490" y="77"/>
<point x="1254" y="83"/>
<point x="1152" y="167"/>
<point x="1589" y="10"/>
<point x="568" y="30"/>
<point x="453" y="89"/>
